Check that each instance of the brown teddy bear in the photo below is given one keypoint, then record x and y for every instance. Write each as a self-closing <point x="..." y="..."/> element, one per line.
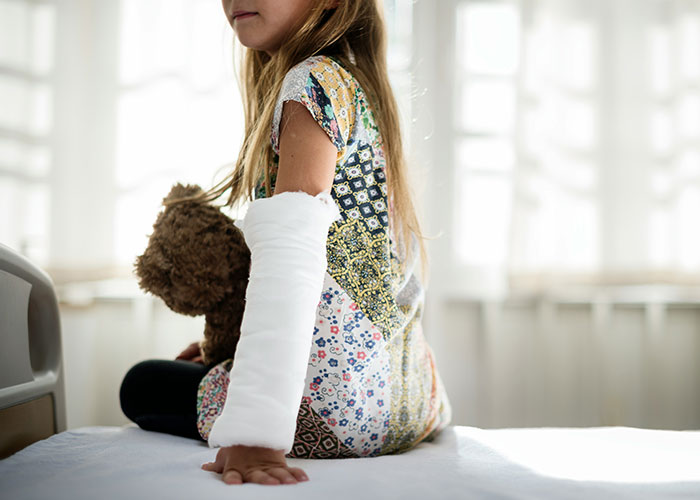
<point x="197" y="261"/>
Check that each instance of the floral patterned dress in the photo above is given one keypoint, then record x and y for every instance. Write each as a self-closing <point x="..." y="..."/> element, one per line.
<point x="372" y="387"/>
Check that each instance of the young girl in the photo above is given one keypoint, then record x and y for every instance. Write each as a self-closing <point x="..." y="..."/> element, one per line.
<point x="350" y="375"/>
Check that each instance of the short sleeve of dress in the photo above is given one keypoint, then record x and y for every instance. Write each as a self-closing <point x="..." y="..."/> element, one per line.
<point x="326" y="89"/>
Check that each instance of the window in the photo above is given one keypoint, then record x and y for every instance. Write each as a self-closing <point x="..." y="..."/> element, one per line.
<point x="576" y="134"/>
<point x="26" y="100"/>
<point x="93" y="135"/>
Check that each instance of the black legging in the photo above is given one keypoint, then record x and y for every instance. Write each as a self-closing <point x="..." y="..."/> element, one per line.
<point x="161" y="395"/>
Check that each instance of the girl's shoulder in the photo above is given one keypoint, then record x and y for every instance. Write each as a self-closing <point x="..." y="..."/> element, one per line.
<point x="327" y="90"/>
<point x="323" y="68"/>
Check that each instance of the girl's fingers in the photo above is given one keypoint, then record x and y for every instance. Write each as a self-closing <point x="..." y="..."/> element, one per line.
<point x="232" y="476"/>
<point x="191" y="353"/>
<point x="211" y="466"/>
<point x="299" y="474"/>
<point x="184" y="355"/>
<point x="261" y="477"/>
<point x="283" y="475"/>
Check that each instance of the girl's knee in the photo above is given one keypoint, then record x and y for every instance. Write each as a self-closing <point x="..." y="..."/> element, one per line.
<point x="132" y="387"/>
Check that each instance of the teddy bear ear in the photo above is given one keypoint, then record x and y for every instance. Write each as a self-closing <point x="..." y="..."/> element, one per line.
<point x="182" y="191"/>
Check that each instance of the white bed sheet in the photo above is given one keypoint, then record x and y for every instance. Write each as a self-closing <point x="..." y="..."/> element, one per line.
<point x="463" y="462"/>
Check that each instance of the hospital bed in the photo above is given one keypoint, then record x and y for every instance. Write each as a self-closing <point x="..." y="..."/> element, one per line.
<point x="44" y="460"/>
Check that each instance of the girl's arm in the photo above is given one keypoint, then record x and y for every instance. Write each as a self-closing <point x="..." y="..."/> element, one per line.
<point x="307" y="160"/>
<point x="307" y="155"/>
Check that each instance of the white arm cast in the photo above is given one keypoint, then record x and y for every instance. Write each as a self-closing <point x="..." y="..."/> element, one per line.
<point x="287" y="235"/>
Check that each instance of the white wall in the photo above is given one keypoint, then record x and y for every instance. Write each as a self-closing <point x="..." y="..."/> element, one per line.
<point x="553" y="361"/>
<point x="103" y="339"/>
<point x="606" y="360"/>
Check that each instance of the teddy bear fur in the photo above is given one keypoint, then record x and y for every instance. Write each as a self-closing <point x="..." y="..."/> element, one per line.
<point x="197" y="261"/>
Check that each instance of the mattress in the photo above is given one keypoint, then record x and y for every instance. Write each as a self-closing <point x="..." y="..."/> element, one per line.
<point x="462" y="462"/>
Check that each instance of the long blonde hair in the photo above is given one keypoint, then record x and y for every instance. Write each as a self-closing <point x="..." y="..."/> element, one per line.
<point x="354" y="34"/>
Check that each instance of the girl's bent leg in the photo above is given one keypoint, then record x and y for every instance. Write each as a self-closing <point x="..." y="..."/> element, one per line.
<point x="161" y="395"/>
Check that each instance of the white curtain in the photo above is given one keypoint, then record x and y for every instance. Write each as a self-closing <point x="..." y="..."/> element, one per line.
<point x="577" y="141"/>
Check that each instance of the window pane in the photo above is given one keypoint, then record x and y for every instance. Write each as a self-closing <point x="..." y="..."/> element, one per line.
<point x="14" y="42"/>
<point x="688" y="110"/>
<point x="486" y="153"/>
<point x="687" y="251"/>
<point x="487" y="37"/>
<point x="689" y="35"/>
<point x="660" y="238"/>
<point x="27" y="160"/>
<point x="25" y="226"/>
<point x="150" y="135"/>
<point x="153" y="38"/>
<point x="545" y="236"/>
<point x="399" y="20"/>
<point x="482" y="218"/>
<point x="36" y="223"/>
<point x="487" y="106"/>
<point x="27" y="36"/>
<point x="26" y="107"/>
<point x="135" y="214"/>
<point x="576" y="55"/>
<point x="560" y="121"/>
<point x="400" y="82"/>
<point x="15" y="96"/>
<point x="577" y="124"/>
<point x="40" y="113"/>
<point x="661" y="126"/>
<point x="211" y="47"/>
<point x="12" y="154"/>
<point x="166" y="131"/>
<point x="660" y="60"/>
<point x="39" y="161"/>
<point x="10" y="199"/>
<point x="661" y="182"/>
<point x="43" y="41"/>
<point x="689" y="167"/>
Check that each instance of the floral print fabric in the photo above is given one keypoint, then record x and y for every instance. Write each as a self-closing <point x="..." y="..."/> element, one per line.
<point x="372" y="387"/>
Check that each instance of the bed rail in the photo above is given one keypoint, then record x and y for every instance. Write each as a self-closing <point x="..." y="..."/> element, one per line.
<point x="32" y="391"/>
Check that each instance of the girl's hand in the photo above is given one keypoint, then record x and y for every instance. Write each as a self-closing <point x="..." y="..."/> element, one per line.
<point x="254" y="464"/>
<point x="191" y="353"/>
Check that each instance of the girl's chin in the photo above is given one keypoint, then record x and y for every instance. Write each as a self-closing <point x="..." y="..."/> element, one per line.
<point x="253" y="45"/>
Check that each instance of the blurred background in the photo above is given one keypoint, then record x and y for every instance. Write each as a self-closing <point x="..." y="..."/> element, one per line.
<point x="555" y="155"/>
